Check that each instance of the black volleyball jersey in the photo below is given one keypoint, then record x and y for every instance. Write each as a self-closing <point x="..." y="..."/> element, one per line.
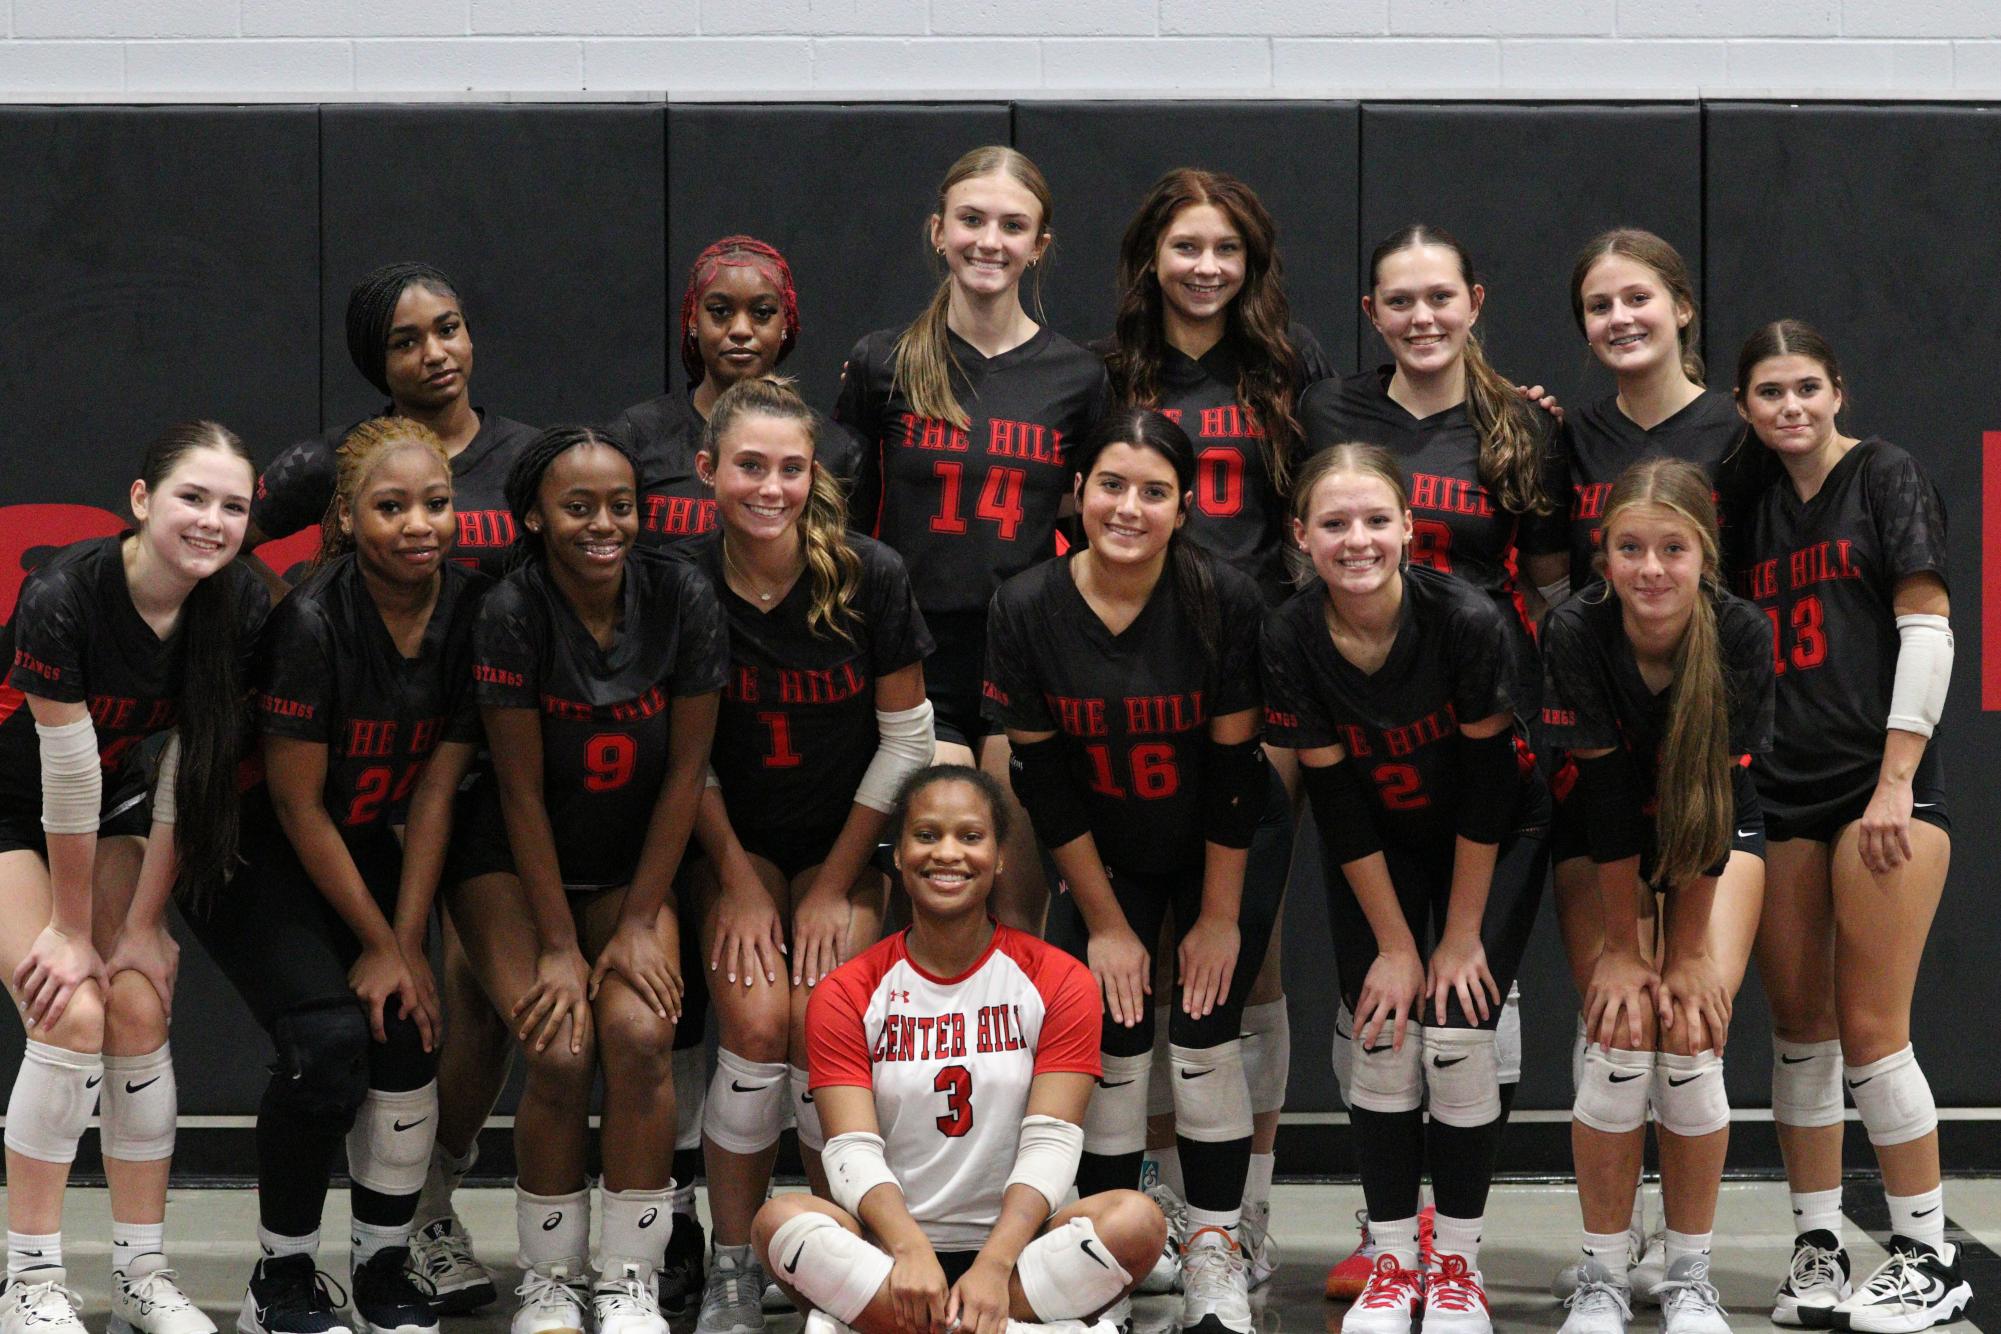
<point x="1239" y="513"/>
<point x="967" y="509"/>
<point x="1603" y="442"/>
<point x="1825" y="578"/>
<point x="77" y="638"/>
<point x="665" y="432"/>
<point x="1134" y="706"/>
<point x="293" y="493"/>
<point x="1594" y="695"/>
<point x="1451" y="662"/>
<point x="333" y="674"/>
<point x="796" y="730"/>
<point x="1459" y="527"/>
<point x="605" y="714"/>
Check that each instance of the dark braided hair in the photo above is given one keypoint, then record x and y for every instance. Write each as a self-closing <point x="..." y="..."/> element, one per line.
<point x="371" y="313"/>
<point x="978" y="779"/>
<point x="729" y="253"/>
<point x="524" y="479"/>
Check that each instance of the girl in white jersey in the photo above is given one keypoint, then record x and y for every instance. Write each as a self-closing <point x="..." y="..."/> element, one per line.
<point x="951" y="1065"/>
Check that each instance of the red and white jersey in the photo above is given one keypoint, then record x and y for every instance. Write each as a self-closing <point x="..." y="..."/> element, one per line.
<point x="949" y="1060"/>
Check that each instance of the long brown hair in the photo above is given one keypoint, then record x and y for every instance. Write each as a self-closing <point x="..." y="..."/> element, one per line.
<point x="1694" y="802"/>
<point x="923" y="358"/>
<point x="355" y="459"/>
<point x="1510" y="445"/>
<point x="831" y="561"/>
<point x="1643" y="247"/>
<point x="1268" y="368"/>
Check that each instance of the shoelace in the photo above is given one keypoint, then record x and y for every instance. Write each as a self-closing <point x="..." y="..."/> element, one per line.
<point x="730" y="1280"/>
<point x="1897" y="1279"/>
<point x="1675" y="1293"/>
<point x="540" y="1289"/>
<point x="1452" y="1288"/>
<point x="397" y="1283"/>
<point x="628" y="1289"/>
<point x="1362" y="1222"/>
<point x="1390" y="1286"/>
<point x="446" y="1249"/>
<point x="1210" y="1265"/>
<point x="1594" y="1294"/>
<point x="145" y="1291"/>
<point x="1813" y="1266"/>
<point x="36" y="1296"/>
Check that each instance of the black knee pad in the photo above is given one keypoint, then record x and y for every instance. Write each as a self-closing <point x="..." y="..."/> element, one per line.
<point x="322" y="1066"/>
<point x="401" y="1063"/>
<point x="1220" y="1025"/>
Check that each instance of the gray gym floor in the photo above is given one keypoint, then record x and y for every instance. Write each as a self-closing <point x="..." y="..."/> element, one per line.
<point x="1531" y="1231"/>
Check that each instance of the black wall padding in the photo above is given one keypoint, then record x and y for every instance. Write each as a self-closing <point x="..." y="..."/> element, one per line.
<point x="843" y="191"/>
<point x="1524" y="188"/>
<point x="550" y="217"/>
<point x="1101" y="157"/>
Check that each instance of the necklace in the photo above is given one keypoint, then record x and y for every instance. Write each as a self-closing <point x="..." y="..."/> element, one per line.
<point x="748" y="582"/>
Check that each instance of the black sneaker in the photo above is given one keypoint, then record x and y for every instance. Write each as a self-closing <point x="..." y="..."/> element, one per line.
<point x="289" y="1295"/>
<point x="388" y="1299"/>
<point x="1916" y="1288"/>
<point x="681" y="1273"/>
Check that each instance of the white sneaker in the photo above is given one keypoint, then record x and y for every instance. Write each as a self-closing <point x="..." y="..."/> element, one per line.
<point x="1215" y="1285"/>
<point x="1455" y="1299"/>
<point x="441" y="1254"/>
<point x="1165" y="1276"/>
<point x="1260" y="1251"/>
<point x="625" y="1303"/>
<point x="1600" y="1304"/>
<point x="41" y="1304"/>
<point x="150" y="1301"/>
<point x="1815" y="1283"/>
<point x="552" y="1302"/>
<point x="1916" y="1288"/>
<point x="1650" y="1269"/>
<point x="1689" y="1302"/>
<point x="1389" y="1303"/>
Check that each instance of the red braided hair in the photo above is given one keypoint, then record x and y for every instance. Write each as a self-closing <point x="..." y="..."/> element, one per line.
<point x="734" y="252"/>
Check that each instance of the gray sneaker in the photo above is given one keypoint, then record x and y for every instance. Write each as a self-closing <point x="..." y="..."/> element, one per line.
<point x="1690" y="1303"/>
<point x="733" y="1297"/>
<point x="1599" y="1304"/>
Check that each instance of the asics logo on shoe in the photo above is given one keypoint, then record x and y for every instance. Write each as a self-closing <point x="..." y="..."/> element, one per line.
<point x="553" y="1221"/>
<point x="1093" y="1254"/>
<point x="401" y="1126"/>
<point x="646" y="1219"/>
<point x="740" y="1088"/>
<point x="1677" y="1083"/>
<point x="792" y="1266"/>
<point x="1440" y="1063"/>
<point x="1617" y="1078"/>
<point x="131" y="1087"/>
<point x="1197" y="1074"/>
<point x="1795" y="1060"/>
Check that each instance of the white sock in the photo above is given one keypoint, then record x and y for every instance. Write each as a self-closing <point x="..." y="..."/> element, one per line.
<point x="1257" y="1180"/>
<point x="1639" y="1223"/>
<point x="1224" y="1220"/>
<point x="130" y="1241"/>
<point x="275" y="1244"/>
<point x="1919" y="1217"/>
<point x="1683" y="1244"/>
<point x="365" y="1239"/>
<point x="1457" y="1236"/>
<point x="1613" y="1250"/>
<point x="28" y="1251"/>
<point x="446" y="1172"/>
<point x="1398" y="1238"/>
<point x="1817" y="1211"/>
<point x="553" y="1230"/>
<point x="1169" y="1161"/>
<point x="633" y="1228"/>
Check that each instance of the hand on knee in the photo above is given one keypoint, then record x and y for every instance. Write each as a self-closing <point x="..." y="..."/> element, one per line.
<point x="134" y="1019"/>
<point x="81" y="1027"/>
<point x="631" y="1038"/>
<point x="1383" y="1078"/>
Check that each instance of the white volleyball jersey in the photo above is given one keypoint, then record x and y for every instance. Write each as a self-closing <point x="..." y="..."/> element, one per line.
<point x="949" y="1060"/>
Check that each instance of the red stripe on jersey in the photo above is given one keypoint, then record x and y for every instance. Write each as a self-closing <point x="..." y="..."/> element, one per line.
<point x="882" y="486"/>
<point x="1990" y="571"/>
<point x="10" y="701"/>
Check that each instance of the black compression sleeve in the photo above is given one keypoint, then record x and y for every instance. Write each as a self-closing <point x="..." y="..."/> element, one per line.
<point x="1234" y="787"/>
<point x="1342" y="809"/>
<point x="1614" y="826"/>
<point x="1489" y="782"/>
<point x="1048" y="791"/>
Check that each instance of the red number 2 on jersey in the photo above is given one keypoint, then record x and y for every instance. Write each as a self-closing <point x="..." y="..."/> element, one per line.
<point x="956" y="1083"/>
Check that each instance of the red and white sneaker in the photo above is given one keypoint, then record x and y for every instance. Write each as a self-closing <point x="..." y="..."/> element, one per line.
<point x="1389" y="1303"/>
<point x="1347" y="1277"/>
<point x="1454" y="1300"/>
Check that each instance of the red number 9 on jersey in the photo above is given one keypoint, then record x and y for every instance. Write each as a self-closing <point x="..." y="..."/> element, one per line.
<point x="608" y="760"/>
<point x="956" y="1083"/>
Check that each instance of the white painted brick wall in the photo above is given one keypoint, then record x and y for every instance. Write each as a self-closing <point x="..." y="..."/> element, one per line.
<point x="888" y="49"/>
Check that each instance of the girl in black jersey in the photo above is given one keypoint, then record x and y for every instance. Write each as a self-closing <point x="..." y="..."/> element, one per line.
<point x="365" y="708"/>
<point x="1126" y="677"/>
<point x="739" y="320"/>
<point x="1847" y="553"/>
<point x="114" y="640"/>
<point x="598" y="674"/>
<point x="1635" y="305"/>
<point x="964" y="423"/>
<point x="823" y="716"/>
<point x="1659" y="685"/>
<point x="1396" y="685"/>
<point x="1204" y="333"/>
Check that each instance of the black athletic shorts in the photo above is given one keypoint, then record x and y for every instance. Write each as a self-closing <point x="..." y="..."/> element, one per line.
<point x="791" y="849"/>
<point x="955" y="676"/>
<point x="1819" y="817"/>
<point x="1567" y="841"/>
<point x="129" y="813"/>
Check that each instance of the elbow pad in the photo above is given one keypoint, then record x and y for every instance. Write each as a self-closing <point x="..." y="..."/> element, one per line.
<point x="855" y="1166"/>
<point x="72" y="779"/>
<point x="1614" y="828"/>
<point x="1924" y="670"/>
<point x="904" y="745"/>
<point x="1040" y="774"/>
<point x="1489" y="781"/>
<point x="165" y="776"/>
<point x="1343" y="810"/>
<point x="1234" y="787"/>
<point x="1046" y="1158"/>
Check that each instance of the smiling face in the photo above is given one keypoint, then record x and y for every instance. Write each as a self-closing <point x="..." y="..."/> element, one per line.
<point x="586" y="511"/>
<point x="948" y="851"/>
<point x="990" y="231"/>
<point x="739" y="324"/>
<point x="428" y="357"/>
<point x="1354" y="533"/>
<point x="1130" y="505"/>
<point x="1631" y="320"/>
<point x="763" y="477"/>
<point x="401" y="516"/>
<point x="1654" y="564"/>
<point x="1791" y="402"/>
<point x="1200" y="263"/>
<point x="193" y="522"/>
<point x="1423" y="307"/>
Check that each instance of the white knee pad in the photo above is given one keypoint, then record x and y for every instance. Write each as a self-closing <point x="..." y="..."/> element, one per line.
<point x="1508" y="1039"/>
<point x="746" y="1107"/>
<point x="1806" y="1082"/>
<point x="1212" y="1102"/>
<point x="1115" y="1122"/>
<point x="805" y="1112"/>
<point x="1267" y="1039"/>
<point x="1385" y="1080"/>
<point x="1892" y="1095"/>
<point x="136" y="1111"/>
<point x="1688" y="1095"/>
<point x="1462" y="1076"/>
<point x="1160" y="1074"/>
<point x="1613" y="1089"/>
<point x="389" y="1145"/>
<point x="55" y="1091"/>
<point x="691" y="1092"/>
<point x="1069" y="1272"/>
<point x="1344" y="1051"/>
<point x="828" y="1265"/>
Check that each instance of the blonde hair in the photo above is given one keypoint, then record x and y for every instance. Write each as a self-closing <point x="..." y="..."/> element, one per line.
<point x="355" y="458"/>
<point x="1694" y="797"/>
<point x="831" y="562"/>
<point x="923" y="358"/>
<point x="1346" y="456"/>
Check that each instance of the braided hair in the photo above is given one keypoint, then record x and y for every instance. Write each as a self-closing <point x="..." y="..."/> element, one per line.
<point x="524" y="479"/>
<point x="371" y="313"/>
<point x="730" y="253"/>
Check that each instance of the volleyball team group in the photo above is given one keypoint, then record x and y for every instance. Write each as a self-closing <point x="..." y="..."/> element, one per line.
<point x="947" y="753"/>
